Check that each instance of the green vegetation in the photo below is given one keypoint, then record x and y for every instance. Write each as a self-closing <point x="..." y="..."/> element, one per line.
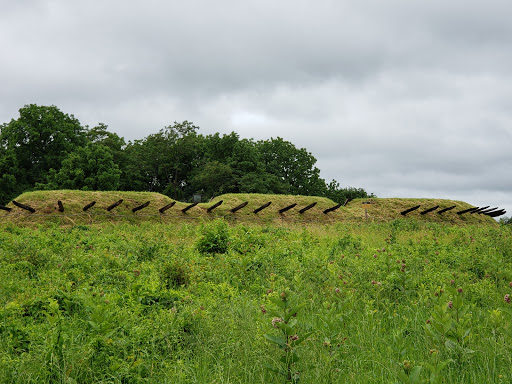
<point x="359" y="302"/>
<point x="47" y="149"/>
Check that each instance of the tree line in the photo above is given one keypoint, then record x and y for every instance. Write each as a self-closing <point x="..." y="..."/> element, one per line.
<point x="46" y="149"/>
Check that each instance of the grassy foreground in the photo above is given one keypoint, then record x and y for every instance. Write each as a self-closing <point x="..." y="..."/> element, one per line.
<point x="403" y="301"/>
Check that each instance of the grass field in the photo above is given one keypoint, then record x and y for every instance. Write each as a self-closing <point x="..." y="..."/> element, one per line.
<point x="218" y="301"/>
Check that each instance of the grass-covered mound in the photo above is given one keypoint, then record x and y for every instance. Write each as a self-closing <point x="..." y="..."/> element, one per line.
<point x="71" y="211"/>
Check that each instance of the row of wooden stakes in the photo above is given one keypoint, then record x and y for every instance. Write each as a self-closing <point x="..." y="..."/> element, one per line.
<point x="170" y="205"/>
<point x="492" y="212"/>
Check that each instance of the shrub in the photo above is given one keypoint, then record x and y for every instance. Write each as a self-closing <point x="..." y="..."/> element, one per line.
<point x="175" y="274"/>
<point x="214" y="237"/>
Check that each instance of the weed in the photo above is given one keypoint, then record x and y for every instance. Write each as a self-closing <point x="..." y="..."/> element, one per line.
<point x="214" y="237"/>
<point x="284" y="319"/>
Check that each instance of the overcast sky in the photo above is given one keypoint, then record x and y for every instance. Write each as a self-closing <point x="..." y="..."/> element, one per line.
<point x="403" y="98"/>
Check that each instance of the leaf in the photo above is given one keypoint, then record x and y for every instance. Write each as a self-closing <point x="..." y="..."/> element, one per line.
<point x="443" y="365"/>
<point x="275" y="370"/>
<point x="293" y="311"/>
<point x="281" y="341"/>
<point x="403" y="377"/>
<point x="450" y="344"/>
<point x="301" y="340"/>
<point x="415" y="374"/>
<point x="277" y="301"/>
<point x="292" y="323"/>
<point x="286" y="328"/>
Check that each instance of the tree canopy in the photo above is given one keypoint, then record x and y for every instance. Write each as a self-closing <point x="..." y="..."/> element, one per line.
<point x="45" y="148"/>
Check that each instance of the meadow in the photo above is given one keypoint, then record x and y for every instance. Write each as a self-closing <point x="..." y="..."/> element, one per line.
<point x="403" y="301"/>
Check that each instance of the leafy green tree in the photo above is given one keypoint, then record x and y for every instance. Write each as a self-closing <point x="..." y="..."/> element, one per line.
<point x="212" y="179"/>
<point x="118" y="148"/>
<point x="36" y="142"/>
<point x="164" y="162"/>
<point x="100" y="135"/>
<point x="230" y="165"/>
<point x="339" y="195"/>
<point x="249" y="171"/>
<point x="183" y="150"/>
<point x="9" y="187"/>
<point x="293" y="168"/>
<point x="88" y="168"/>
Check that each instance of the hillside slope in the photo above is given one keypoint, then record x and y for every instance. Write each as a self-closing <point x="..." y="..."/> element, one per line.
<point x="45" y="207"/>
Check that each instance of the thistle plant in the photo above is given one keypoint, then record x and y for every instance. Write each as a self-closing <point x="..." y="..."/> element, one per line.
<point x="284" y="319"/>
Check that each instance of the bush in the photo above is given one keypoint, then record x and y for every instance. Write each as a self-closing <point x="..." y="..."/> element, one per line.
<point x="214" y="237"/>
<point x="175" y="274"/>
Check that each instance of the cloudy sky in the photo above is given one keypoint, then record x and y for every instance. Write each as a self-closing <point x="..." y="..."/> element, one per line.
<point x="403" y="98"/>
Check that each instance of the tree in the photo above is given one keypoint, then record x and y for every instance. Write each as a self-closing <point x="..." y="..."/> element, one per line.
<point x="9" y="187"/>
<point x="88" y="168"/>
<point x="118" y="148"/>
<point x="36" y="142"/>
<point x="339" y="195"/>
<point x="293" y="168"/>
<point x="212" y="179"/>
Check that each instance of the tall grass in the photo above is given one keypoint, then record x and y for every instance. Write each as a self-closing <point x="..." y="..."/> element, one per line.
<point x="160" y="304"/>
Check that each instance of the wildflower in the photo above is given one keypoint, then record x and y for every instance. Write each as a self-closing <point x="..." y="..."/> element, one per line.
<point x="379" y="283"/>
<point x="337" y="290"/>
<point x="136" y="272"/>
<point x="294" y="338"/>
<point x="459" y="290"/>
<point x="450" y="304"/>
<point x="276" y="320"/>
<point x="375" y="256"/>
<point x="428" y="321"/>
<point x="263" y="310"/>
<point x="510" y="284"/>
<point x="452" y="282"/>
<point x="507" y="298"/>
